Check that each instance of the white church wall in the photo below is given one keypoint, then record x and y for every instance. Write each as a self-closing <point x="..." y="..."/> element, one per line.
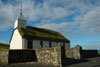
<point x="45" y="44"/>
<point x="36" y="44"/>
<point x="67" y="45"/>
<point x="53" y="44"/>
<point x="16" y="42"/>
<point x="16" y="23"/>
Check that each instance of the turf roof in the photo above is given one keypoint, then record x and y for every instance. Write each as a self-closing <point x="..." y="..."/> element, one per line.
<point x="34" y="32"/>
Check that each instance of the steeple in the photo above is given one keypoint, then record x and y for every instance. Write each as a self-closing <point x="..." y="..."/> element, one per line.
<point x="21" y="17"/>
<point x="21" y="8"/>
<point x="21" y="21"/>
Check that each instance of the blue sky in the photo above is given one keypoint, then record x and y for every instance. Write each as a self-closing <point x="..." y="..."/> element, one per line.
<point x="77" y="20"/>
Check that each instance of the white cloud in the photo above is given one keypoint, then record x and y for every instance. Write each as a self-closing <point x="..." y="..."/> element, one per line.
<point x="9" y="12"/>
<point x="91" y="21"/>
<point x="92" y="42"/>
<point x="2" y="41"/>
<point x="87" y="15"/>
<point x="91" y="46"/>
<point x="7" y="16"/>
<point x="66" y="28"/>
<point x="44" y="10"/>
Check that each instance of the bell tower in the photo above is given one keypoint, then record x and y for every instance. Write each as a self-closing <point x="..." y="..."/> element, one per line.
<point x="21" y="21"/>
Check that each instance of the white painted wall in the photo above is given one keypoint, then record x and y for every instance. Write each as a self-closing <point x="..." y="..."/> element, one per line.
<point x="16" y="42"/>
<point x="45" y="44"/>
<point x="16" y="23"/>
<point x="36" y="44"/>
<point x="67" y="45"/>
<point x="53" y="44"/>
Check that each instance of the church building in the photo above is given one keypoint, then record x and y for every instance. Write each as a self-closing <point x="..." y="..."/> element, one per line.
<point x="27" y="37"/>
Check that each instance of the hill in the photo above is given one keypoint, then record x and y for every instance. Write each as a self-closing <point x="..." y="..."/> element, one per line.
<point x="99" y="52"/>
<point x="4" y="46"/>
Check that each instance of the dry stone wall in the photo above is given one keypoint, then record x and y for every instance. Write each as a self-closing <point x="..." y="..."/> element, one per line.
<point x="73" y="53"/>
<point x="50" y="56"/>
<point x="57" y="56"/>
<point x="4" y="56"/>
<point x="46" y="55"/>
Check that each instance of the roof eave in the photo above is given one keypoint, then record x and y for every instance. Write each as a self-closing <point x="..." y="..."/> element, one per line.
<point x="46" y="39"/>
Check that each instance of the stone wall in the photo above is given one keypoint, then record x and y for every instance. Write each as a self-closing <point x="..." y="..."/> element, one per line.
<point x="89" y="53"/>
<point x="4" y="56"/>
<point x="18" y="56"/>
<point x="57" y="56"/>
<point x="46" y="55"/>
<point x="50" y="55"/>
<point x="73" y="53"/>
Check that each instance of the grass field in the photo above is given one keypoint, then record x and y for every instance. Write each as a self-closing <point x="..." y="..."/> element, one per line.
<point x="99" y="53"/>
<point x="4" y="46"/>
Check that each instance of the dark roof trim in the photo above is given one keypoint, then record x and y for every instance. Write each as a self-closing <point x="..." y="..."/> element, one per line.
<point x="46" y="39"/>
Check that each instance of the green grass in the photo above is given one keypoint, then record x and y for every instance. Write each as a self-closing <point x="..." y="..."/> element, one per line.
<point x="41" y="33"/>
<point x="4" y="46"/>
<point x="99" y="53"/>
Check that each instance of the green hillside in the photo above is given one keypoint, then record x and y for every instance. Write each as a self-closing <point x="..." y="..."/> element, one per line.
<point x="4" y="46"/>
<point x="99" y="53"/>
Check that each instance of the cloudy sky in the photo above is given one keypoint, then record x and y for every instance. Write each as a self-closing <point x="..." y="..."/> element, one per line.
<point x="77" y="20"/>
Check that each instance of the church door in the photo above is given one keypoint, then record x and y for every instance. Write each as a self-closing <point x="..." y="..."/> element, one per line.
<point x="30" y="44"/>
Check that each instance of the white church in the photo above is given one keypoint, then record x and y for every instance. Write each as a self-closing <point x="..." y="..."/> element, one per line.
<point x="27" y="37"/>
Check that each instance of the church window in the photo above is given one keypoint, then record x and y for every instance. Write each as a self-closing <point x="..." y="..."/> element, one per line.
<point x="50" y="44"/>
<point x="41" y="44"/>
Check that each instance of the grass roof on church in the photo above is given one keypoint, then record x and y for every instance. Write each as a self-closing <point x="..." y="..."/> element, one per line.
<point x="32" y="32"/>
